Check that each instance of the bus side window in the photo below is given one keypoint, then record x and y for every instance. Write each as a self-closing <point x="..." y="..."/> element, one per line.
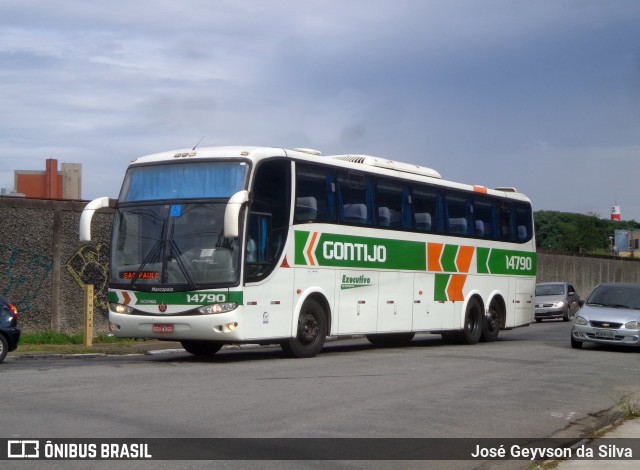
<point x="425" y="209"/>
<point x="315" y="199"/>
<point x="484" y="213"/>
<point x="506" y="225"/>
<point x="523" y="222"/>
<point x="458" y="211"/>
<point x="306" y="208"/>
<point x="355" y="199"/>
<point x="393" y="205"/>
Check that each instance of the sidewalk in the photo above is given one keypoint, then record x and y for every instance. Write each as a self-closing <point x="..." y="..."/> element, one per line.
<point x="628" y="429"/>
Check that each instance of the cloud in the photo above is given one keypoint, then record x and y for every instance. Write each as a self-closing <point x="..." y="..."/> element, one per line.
<point x="491" y="91"/>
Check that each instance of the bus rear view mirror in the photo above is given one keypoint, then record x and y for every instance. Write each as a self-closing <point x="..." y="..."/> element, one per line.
<point x="87" y="215"/>
<point x="232" y="214"/>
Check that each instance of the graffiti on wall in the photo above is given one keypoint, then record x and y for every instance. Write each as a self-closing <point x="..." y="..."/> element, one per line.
<point x="90" y="265"/>
<point x="23" y="275"/>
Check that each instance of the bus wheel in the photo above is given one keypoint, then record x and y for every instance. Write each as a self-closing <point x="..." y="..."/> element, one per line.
<point x="201" y="348"/>
<point x="391" y="339"/>
<point x="491" y="325"/>
<point x="473" y="321"/>
<point x="312" y="331"/>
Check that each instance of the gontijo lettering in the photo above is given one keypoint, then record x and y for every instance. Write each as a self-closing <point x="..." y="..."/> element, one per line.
<point x="354" y="252"/>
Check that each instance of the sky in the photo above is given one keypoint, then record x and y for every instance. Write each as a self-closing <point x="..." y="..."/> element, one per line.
<point x="541" y="95"/>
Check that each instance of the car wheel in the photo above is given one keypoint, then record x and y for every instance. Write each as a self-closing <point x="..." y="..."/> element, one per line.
<point x="566" y="315"/>
<point x="538" y="320"/>
<point x="201" y="348"/>
<point x="4" y="347"/>
<point x="311" y="334"/>
<point x="575" y="344"/>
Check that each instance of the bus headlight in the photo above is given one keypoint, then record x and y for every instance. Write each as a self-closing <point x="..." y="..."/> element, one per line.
<point x="120" y="308"/>
<point x="218" y="308"/>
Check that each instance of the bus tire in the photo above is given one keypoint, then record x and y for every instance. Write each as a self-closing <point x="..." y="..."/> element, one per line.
<point x="201" y="348"/>
<point x="473" y="322"/>
<point x="311" y="333"/>
<point x="491" y="325"/>
<point x="390" y="340"/>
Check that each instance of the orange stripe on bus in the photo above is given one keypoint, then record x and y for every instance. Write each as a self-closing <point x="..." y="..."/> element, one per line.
<point x="454" y="289"/>
<point x="310" y="249"/>
<point x="463" y="260"/>
<point x="434" y="252"/>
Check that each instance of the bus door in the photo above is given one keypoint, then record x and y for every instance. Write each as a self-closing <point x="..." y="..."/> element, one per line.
<point x="395" y="296"/>
<point x="357" y="301"/>
<point x="427" y="314"/>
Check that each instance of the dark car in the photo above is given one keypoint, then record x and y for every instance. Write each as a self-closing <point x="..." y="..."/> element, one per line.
<point x="555" y="300"/>
<point x="610" y="315"/>
<point x="9" y="331"/>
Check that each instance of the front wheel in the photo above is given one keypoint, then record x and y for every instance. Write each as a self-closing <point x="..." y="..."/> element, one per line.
<point x="201" y="348"/>
<point x="311" y="333"/>
<point x="575" y="344"/>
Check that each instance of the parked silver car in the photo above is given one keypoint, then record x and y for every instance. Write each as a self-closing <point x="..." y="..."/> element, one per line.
<point x="610" y="315"/>
<point x="555" y="300"/>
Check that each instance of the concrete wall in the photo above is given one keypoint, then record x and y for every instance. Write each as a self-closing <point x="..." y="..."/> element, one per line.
<point x="43" y="266"/>
<point x="586" y="271"/>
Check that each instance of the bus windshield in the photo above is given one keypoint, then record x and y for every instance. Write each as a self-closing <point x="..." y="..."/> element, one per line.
<point x="177" y="245"/>
<point x="180" y="180"/>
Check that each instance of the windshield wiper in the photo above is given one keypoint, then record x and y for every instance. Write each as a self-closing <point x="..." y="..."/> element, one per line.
<point x="175" y="250"/>
<point x="147" y="259"/>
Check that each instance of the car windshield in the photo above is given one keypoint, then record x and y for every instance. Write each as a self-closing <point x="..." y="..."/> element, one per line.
<point x="549" y="289"/>
<point x="618" y="296"/>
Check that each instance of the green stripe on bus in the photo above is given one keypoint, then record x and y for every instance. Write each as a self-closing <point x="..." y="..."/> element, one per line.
<point x="179" y="298"/>
<point x="496" y="261"/>
<point x="440" y="287"/>
<point x="448" y="259"/>
<point x="327" y="249"/>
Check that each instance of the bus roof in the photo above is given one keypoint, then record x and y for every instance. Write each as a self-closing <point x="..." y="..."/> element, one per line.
<point x="376" y="164"/>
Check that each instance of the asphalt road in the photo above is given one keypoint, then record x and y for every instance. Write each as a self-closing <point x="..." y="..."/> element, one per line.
<point x="528" y="384"/>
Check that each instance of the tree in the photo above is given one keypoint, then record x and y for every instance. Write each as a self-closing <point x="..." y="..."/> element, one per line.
<point x="566" y="231"/>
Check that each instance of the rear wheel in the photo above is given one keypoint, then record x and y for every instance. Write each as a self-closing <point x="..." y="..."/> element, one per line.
<point x="473" y="322"/>
<point x="491" y="326"/>
<point x="201" y="348"/>
<point x="311" y="333"/>
<point x="4" y="347"/>
<point x="391" y="339"/>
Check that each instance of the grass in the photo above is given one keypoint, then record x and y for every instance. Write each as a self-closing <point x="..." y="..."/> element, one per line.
<point x="52" y="337"/>
<point x="61" y="343"/>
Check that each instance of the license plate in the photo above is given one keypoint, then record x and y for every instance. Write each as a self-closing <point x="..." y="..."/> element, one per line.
<point x="605" y="334"/>
<point x="162" y="328"/>
<point x="541" y="310"/>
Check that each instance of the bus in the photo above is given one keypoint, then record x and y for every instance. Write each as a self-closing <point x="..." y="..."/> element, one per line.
<point x="232" y="245"/>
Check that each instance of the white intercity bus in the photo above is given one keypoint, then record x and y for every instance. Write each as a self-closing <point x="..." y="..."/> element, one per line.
<point x="271" y="246"/>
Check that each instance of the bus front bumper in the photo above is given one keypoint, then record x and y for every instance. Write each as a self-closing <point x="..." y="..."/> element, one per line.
<point x="226" y="327"/>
